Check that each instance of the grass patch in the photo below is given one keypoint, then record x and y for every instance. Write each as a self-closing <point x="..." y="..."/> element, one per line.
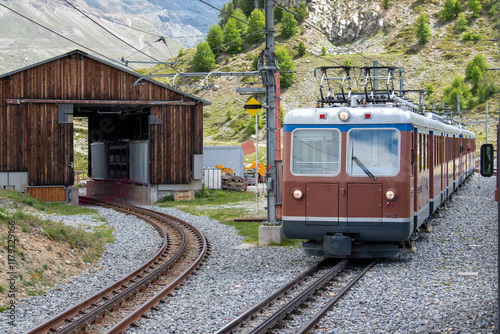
<point x="225" y="207"/>
<point x="51" y="208"/>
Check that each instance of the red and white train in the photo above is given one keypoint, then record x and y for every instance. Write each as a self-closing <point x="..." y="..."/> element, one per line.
<point x="360" y="178"/>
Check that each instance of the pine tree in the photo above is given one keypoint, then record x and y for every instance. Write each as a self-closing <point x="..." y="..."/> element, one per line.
<point x="302" y="49"/>
<point x="278" y="12"/>
<point x="475" y="7"/>
<point x="204" y="60"/>
<point x="232" y="36"/>
<point x="240" y="19"/>
<point x="461" y="23"/>
<point x="215" y="38"/>
<point x="289" y="25"/>
<point x="225" y="13"/>
<point x="256" y="23"/>
<point x="323" y="50"/>
<point x="247" y="6"/>
<point x="422" y="30"/>
<point x="450" y="10"/>
<point x="285" y="63"/>
<point x="302" y="11"/>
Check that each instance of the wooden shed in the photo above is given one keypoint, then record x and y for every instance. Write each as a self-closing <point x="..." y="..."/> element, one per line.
<point x="140" y="128"/>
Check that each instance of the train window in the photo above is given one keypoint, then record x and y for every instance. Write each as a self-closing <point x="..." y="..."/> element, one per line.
<point x="374" y="150"/>
<point x="316" y="152"/>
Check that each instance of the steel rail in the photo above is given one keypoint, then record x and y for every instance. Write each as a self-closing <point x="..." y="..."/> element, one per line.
<point x="85" y="304"/>
<point x="158" y="297"/>
<point x="298" y="300"/>
<point x="100" y="310"/>
<point x="112" y="298"/>
<point x="240" y="320"/>
<point x="309" y="326"/>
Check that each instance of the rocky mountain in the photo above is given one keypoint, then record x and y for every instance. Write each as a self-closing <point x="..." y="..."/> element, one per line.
<point x="139" y="23"/>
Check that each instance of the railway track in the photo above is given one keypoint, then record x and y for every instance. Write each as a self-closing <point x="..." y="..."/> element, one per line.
<point x="274" y="310"/>
<point x="120" y="305"/>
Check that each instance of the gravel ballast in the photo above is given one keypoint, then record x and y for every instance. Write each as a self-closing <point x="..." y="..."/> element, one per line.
<point x="449" y="284"/>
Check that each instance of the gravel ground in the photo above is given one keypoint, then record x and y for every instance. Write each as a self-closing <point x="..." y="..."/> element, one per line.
<point x="135" y="242"/>
<point x="449" y="285"/>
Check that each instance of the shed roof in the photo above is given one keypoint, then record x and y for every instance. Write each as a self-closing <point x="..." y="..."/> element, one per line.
<point x="121" y="68"/>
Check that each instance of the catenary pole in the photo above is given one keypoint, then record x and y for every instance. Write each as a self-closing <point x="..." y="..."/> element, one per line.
<point x="268" y="71"/>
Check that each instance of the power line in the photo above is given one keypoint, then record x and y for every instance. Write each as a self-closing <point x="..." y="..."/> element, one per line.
<point x="130" y="27"/>
<point x="56" y="33"/>
<point x="114" y="35"/>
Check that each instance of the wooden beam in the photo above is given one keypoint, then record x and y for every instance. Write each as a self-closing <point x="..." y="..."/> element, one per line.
<point x="101" y="102"/>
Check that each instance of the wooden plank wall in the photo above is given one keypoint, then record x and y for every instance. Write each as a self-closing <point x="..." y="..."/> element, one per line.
<point x="32" y="140"/>
<point x="48" y="194"/>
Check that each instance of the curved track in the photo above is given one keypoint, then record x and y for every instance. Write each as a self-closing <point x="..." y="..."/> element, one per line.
<point x="119" y="306"/>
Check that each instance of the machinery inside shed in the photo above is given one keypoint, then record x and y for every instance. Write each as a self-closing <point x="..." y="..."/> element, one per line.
<point x="118" y="149"/>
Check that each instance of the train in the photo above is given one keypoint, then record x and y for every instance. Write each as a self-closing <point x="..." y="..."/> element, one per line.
<point x="363" y="172"/>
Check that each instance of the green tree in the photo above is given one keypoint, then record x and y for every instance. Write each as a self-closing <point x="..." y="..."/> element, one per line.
<point x="286" y="64"/>
<point x="256" y="23"/>
<point x="278" y="12"/>
<point x="204" y="59"/>
<point x="225" y="13"/>
<point x="302" y="11"/>
<point x="450" y="10"/>
<point x="474" y="69"/>
<point x="475" y="7"/>
<point x="232" y="36"/>
<point x="347" y="62"/>
<point x="323" y="50"/>
<point x="461" y="23"/>
<point x="486" y="87"/>
<point x="215" y="38"/>
<point x="240" y="19"/>
<point x="289" y="25"/>
<point x="301" y="49"/>
<point x="478" y="61"/>
<point x="457" y="87"/>
<point x="385" y="4"/>
<point x="247" y="6"/>
<point x="422" y="30"/>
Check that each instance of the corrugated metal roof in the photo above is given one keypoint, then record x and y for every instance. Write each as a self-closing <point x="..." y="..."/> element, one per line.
<point x="121" y="68"/>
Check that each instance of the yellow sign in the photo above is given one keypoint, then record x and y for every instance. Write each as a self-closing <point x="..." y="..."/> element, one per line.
<point x="252" y="106"/>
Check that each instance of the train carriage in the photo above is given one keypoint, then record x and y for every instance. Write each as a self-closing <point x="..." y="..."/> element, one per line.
<point x="360" y="179"/>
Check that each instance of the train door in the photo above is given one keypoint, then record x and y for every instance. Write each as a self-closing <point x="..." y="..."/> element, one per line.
<point x="364" y="204"/>
<point x="322" y="204"/>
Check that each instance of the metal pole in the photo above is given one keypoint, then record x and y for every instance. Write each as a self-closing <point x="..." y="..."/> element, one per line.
<point x="267" y="72"/>
<point x="375" y="75"/>
<point x="486" y="122"/>
<point x="256" y="163"/>
<point x="458" y="107"/>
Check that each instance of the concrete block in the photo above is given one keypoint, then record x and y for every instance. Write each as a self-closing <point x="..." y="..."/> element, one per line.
<point x="270" y="234"/>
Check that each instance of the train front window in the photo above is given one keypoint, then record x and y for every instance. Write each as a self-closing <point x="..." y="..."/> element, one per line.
<point x="316" y="152"/>
<point x="373" y="150"/>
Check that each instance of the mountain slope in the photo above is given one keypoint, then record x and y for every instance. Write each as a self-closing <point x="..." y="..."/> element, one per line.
<point x="362" y="32"/>
<point x="24" y="43"/>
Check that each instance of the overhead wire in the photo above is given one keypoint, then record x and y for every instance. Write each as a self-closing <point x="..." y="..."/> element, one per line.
<point x="130" y="27"/>
<point x="58" y="34"/>
<point x="110" y="32"/>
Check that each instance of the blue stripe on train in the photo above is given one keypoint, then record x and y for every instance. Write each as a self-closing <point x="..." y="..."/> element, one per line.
<point x="347" y="127"/>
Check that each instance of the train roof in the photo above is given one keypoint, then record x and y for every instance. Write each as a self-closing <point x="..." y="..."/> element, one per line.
<point x="375" y="115"/>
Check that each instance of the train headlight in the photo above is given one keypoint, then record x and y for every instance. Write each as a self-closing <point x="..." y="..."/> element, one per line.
<point x="297" y="194"/>
<point x="344" y="115"/>
<point x="390" y="195"/>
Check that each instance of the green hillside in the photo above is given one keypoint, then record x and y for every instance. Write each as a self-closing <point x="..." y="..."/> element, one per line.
<point x="433" y="65"/>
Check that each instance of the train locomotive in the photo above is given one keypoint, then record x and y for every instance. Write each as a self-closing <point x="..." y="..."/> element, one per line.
<point x="363" y="172"/>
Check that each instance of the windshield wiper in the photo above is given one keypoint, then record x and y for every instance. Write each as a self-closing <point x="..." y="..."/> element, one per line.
<point x="363" y="168"/>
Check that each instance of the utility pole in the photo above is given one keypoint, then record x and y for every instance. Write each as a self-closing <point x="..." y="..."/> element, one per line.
<point x="268" y="78"/>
